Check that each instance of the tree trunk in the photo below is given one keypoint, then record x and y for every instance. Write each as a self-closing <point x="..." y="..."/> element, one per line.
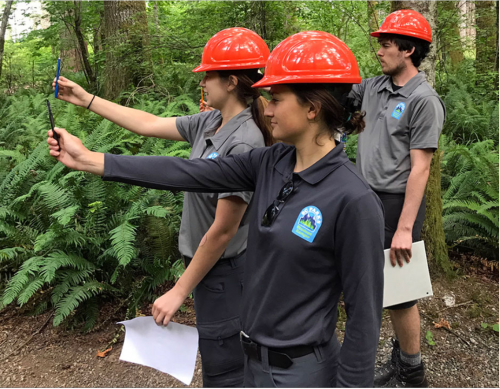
<point x="127" y="60"/>
<point x="70" y="52"/>
<point x="83" y="45"/>
<point x="3" y="27"/>
<point x="452" y="40"/>
<point x="157" y="21"/>
<point x="432" y="232"/>
<point x="373" y="22"/>
<point x="486" y="36"/>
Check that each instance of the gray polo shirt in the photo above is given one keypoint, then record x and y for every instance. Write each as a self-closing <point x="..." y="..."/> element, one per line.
<point x="326" y="239"/>
<point x="396" y="122"/>
<point x="239" y="135"/>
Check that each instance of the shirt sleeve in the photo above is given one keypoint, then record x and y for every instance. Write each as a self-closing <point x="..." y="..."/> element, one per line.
<point x="357" y="93"/>
<point x="359" y="245"/>
<point x="426" y="123"/>
<point x="233" y="173"/>
<point x="245" y="196"/>
<point x="189" y="126"/>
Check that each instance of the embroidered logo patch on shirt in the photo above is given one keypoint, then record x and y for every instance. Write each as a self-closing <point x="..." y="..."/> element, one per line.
<point x="398" y="111"/>
<point x="308" y="223"/>
<point x="213" y="155"/>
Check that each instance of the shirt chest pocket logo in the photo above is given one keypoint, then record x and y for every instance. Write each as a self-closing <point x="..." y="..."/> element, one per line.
<point x="398" y="111"/>
<point x="308" y="223"/>
<point x="212" y="155"/>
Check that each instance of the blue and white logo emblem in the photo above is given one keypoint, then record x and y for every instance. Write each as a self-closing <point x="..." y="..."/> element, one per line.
<point x="213" y="155"/>
<point x="308" y="223"/>
<point x="398" y="111"/>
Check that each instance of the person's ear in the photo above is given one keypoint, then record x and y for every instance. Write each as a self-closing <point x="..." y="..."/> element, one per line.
<point x="313" y="111"/>
<point x="408" y="53"/>
<point x="232" y="83"/>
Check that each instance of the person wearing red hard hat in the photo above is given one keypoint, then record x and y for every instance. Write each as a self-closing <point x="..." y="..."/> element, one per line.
<point x="214" y="230"/>
<point x="404" y="118"/>
<point x="316" y="227"/>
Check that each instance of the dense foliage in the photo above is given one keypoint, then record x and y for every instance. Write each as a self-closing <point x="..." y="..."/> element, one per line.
<point x="71" y="242"/>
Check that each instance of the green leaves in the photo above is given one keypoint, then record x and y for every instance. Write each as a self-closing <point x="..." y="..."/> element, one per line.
<point x="71" y="235"/>
<point x="122" y="240"/>
<point x="493" y="327"/>
<point x="429" y="337"/>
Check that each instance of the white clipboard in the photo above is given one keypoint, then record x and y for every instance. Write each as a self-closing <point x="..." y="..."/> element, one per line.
<point x="410" y="282"/>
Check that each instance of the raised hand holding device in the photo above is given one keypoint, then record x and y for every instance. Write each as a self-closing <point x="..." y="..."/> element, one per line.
<point x="52" y="125"/>
<point x="56" y="91"/>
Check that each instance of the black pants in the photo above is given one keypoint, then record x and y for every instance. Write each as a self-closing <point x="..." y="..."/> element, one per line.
<point x="217" y="301"/>
<point x="393" y="206"/>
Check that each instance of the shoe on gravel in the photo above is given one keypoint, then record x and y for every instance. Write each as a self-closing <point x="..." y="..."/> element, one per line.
<point x="388" y="370"/>
<point x="408" y="376"/>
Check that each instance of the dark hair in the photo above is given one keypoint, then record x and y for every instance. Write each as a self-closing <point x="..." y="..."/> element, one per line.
<point x="248" y="95"/>
<point x="404" y="43"/>
<point x="335" y="108"/>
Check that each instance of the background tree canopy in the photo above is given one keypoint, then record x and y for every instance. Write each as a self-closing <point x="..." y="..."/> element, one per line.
<point x="70" y="242"/>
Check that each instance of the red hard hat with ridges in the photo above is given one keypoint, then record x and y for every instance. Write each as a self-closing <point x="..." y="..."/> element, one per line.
<point x="232" y="49"/>
<point x="406" y="22"/>
<point x="311" y="57"/>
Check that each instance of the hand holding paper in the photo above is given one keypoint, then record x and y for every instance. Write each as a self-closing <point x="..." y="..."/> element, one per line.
<point x="171" y="349"/>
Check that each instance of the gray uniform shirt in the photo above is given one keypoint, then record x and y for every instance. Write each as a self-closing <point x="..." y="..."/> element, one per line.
<point x="396" y="122"/>
<point x="326" y="239"/>
<point x="239" y="135"/>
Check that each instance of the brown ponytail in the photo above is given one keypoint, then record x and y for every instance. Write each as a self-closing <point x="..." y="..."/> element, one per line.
<point x="335" y="112"/>
<point x="251" y="96"/>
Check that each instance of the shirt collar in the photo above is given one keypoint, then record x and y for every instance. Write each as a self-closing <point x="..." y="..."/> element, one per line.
<point x="408" y="88"/>
<point x="318" y="171"/>
<point x="225" y="132"/>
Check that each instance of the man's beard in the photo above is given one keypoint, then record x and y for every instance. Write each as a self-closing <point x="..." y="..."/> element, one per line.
<point x="396" y="71"/>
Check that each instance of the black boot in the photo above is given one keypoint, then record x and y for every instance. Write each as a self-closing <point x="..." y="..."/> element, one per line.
<point x="409" y="376"/>
<point x="388" y="370"/>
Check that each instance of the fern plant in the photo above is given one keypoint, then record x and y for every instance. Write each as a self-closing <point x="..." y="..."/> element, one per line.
<point x="470" y="199"/>
<point x="70" y="235"/>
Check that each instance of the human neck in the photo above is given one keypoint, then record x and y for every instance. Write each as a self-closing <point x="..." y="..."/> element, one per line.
<point x="311" y="151"/>
<point x="404" y="76"/>
<point x="229" y="111"/>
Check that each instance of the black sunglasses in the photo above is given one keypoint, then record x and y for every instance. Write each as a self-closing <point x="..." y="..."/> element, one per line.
<point x="273" y="210"/>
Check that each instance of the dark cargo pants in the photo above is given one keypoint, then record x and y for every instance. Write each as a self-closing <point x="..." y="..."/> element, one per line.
<point x="217" y="301"/>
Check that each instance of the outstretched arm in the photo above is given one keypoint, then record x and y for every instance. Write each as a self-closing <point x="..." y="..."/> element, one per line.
<point x="134" y="120"/>
<point x="234" y="173"/>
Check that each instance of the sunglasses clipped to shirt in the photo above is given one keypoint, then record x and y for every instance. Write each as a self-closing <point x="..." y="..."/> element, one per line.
<point x="272" y="211"/>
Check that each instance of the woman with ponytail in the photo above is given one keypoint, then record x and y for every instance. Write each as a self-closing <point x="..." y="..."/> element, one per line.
<point x="214" y="229"/>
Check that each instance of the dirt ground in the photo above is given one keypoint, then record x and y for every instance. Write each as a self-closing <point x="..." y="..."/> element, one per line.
<point x="35" y="354"/>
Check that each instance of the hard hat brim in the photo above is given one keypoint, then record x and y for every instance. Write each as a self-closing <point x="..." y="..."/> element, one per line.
<point x="300" y="79"/>
<point x="376" y="34"/>
<point x="206" y="68"/>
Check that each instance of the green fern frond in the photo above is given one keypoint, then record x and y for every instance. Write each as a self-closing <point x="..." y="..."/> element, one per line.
<point x="74" y="297"/>
<point x="21" y="279"/>
<point x="56" y="260"/>
<point x="122" y="241"/>
<point x="30" y="289"/>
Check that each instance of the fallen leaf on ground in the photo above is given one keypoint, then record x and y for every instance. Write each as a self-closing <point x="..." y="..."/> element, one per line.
<point x="102" y="354"/>
<point x="442" y="323"/>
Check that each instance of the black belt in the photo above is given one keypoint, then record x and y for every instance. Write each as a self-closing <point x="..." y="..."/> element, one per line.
<point x="187" y="260"/>
<point x="282" y="357"/>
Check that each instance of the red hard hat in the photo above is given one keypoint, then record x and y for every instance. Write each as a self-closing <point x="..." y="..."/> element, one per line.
<point x="311" y="57"/>
<point x="234" y="48"/>
<point x="406" y="22"/>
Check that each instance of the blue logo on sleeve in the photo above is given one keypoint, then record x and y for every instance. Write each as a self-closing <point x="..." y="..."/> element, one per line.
<point x="308" y="223"/>
<point x="398" y="111"/>
<point x="213" y="155"/>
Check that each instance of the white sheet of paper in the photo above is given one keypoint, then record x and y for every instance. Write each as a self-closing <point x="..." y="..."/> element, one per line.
<point x="410" y="282"/>
<point x="170" y="349"/>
